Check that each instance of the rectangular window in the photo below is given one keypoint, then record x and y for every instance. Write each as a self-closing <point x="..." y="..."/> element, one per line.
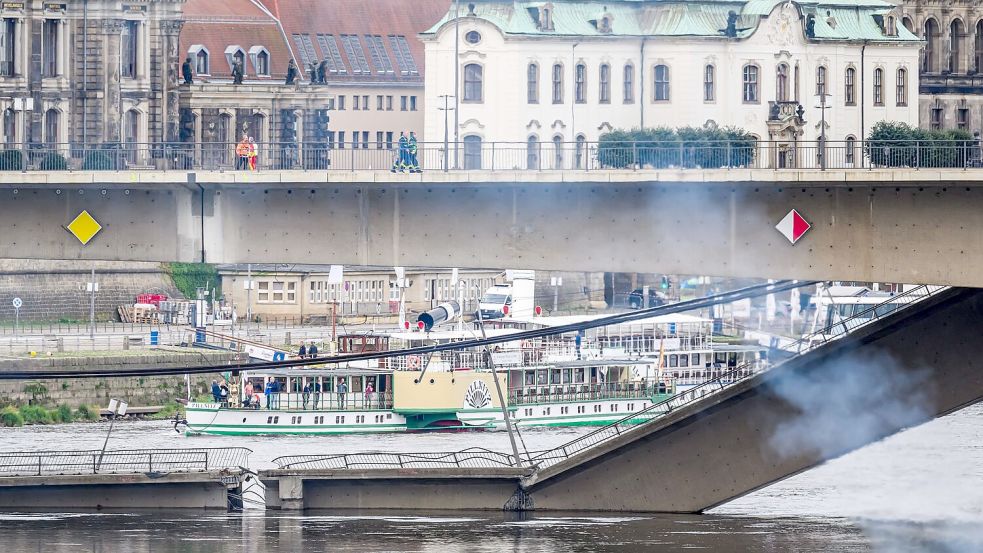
<point x="661" y="91"/>
<point x="389" y="139"/>
<point x="331" y="53"/>
<point x="389" y="103"/>
<point x="378" y="140"/>
<point x="341" y="140"/>
<point x="708" y="84"/>
<point x="580" y="89"/>
<point x="356" y="99"/>
<point x="629" y="84"/>
<point x="354" y="140"/>
<point x="129" y="43"/>
<point x="878" y="87"/>
<point x="340" y="101"/>
<point x="401" y="48"/>
<point x="365" y="140"/>
<point x="49" y="47"/>
<point x="412" y="103"/>
<point x="291" y="292"/>
<point x="962" y="118"/>
<point x="902" y="88"/>
<point x="356" y="56"/>
<point x="750" y="84"/>
<point x="378" y="103"/>
<point x="380" y="58"/>
<point x="365" y="102"/>
<point x="402" y="103"/>
<point x="532" y="84"/>
<point x="8" y="37"/>
<point x="264" y="291"/>
<point x="557" y="84"/>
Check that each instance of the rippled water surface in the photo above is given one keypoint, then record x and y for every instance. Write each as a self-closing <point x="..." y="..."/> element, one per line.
<point x="921" y="490"/>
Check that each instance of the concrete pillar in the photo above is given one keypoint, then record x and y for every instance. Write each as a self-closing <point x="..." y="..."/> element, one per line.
<point x="291" y="493"/>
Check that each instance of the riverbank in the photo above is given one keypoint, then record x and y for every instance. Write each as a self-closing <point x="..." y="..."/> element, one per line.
<point x="15" y="416"/>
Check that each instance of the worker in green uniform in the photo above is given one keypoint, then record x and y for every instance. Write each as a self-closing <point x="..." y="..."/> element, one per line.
<point x="414" y="162"/>
<point x="401" y="161"/>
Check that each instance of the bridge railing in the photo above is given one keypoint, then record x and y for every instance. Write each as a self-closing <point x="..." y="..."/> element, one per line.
<point x="41" y="463"/>
<point x="469" y="458"/>
<point x="473" y="155"/>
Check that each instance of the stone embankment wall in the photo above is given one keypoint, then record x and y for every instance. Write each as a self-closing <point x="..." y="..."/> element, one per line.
<point x="54" y="290"/>
<point x="142" y="391"/>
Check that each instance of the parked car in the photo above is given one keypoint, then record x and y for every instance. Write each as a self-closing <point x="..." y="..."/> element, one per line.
<point x="656" y="298"/>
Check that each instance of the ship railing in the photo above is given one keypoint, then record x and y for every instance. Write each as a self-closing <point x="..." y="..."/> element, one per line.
<point x="468" y="458"/>
<point x="637" y="421"/>
<point x="323" y="401"/>
<point x="134" y="461"/>
<point x="640" y="389"/>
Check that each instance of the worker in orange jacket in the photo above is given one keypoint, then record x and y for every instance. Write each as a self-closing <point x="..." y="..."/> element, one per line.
<point x="242" y="154"/>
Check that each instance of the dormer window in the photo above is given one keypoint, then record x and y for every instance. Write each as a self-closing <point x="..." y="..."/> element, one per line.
<point x="260" y="58"/>
<point x="199" y="54"/>
<point x="546" y="17"/>
<point x="234" y="54"/>
<point x="604" y="25"/>
<point x="891" y="28"/>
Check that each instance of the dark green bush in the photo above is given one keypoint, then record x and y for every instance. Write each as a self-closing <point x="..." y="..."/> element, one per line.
<point x="9" y="416"/>
<point x="34" y="414"/>
<point x="64" y="414"/>
<point x="88" y="413"/>
<point x="706" y="147"/>
<point x="98" y="161"/>
<point x="893" y="144"/>
<point x="52" y="161"/>
<point x="11" y="160"/>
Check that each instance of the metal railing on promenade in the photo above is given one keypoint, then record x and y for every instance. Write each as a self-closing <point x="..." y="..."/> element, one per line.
<point x="500" y="156"/>
<point x="634" y="422"/>
<point x="40" y="463"/>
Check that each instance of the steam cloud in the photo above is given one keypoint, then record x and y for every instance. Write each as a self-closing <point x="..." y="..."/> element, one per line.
<point x="848" y="403"/>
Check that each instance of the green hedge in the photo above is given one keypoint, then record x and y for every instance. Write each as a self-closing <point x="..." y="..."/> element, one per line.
<point x="11" y="160"/>
<point x="706" y="147"/>
<point x="52" y="161"/>
<point x="98" y="161"/>
<point x="892" y="144"/>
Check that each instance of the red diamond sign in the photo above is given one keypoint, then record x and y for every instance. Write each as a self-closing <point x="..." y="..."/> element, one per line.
<point x="793" y="226"/>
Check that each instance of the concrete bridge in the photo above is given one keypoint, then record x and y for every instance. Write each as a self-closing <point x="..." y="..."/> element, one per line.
<point x="875" y="224"/>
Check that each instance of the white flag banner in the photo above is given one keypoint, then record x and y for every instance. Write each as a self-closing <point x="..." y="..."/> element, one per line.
<point x="337" y="274"/>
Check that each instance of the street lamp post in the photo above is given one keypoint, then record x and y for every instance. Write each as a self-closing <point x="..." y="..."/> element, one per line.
<point x="445" y="109"/>
<point x="823" y="105"/>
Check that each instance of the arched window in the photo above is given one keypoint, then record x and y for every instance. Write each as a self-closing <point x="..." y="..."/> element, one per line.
<point x="851" y="148"/>
<point x="709" y="83"/>
<point x="263" y="64"/>
<point x="902" y="87"/>
<point x="131" y="127"/>
<point x="906" y="21"/>
<point x="472" y="152"/>
<point x="604" y="94"/>
<point x="581" y="80"/>
<point x="661" y="89"/>
<point x="9" y="127"/>
<point x="850" y="87"/>
<point x="532" y="83"/>
<point x="629" y="84"/>
<point x="978" y="48"/>
<point x="750" y="93"/>
<point x="472" y="82"/>
<point x="878" y="87"/>
<point x="581" y="145"/>
<point x="781" y="82"/>
<point x="956" y="34"/>
<point x="821" y="81"/>
<point x="201" y="62"/>
<point x="557" y="83"/>
<point x="51" y="128"/>
<point x="532" y="152"/>
<point x="557" y="152"/>
<point x="931" y="51"/>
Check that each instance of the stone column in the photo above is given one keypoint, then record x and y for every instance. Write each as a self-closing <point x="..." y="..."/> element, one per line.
<point x="112" y="29"/>
<point x="20" y="63"/>
<point x="169" y="45"/>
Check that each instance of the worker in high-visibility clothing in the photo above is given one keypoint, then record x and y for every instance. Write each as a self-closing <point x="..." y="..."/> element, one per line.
<point x="414" y="162"/>
<point x="401" y="161"/>
<point x="242" y="154"/>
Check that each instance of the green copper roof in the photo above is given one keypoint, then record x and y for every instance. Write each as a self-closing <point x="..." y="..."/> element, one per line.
<point x="848" y="19"/>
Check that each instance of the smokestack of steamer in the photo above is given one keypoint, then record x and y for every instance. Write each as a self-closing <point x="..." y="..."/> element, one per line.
<point x="440" y="314"/>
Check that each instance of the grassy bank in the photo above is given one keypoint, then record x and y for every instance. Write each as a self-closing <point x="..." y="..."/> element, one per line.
<point x="36" y="414"/>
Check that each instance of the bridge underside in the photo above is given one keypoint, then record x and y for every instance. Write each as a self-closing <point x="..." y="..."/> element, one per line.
<point x="919" y="363"/>
<point x="866" y="226"/>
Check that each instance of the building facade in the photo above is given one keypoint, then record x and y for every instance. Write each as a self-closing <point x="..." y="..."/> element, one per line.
<point x="88" y="73"/>
<point x="538" y="74"/>
<point x="951" y="67"/>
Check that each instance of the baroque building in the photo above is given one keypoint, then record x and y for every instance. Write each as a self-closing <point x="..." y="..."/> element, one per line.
<point x="951" y="67"/>
<point x="543" y="74"/>
<point x="76" y="74"/>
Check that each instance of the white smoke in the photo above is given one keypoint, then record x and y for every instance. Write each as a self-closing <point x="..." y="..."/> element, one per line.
<point x="847" y="403"/>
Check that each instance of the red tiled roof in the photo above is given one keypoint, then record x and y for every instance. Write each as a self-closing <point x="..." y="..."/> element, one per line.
<point x="220" y="8"/>
<point x="218" y="24"/>
<point x="360" y="18"/>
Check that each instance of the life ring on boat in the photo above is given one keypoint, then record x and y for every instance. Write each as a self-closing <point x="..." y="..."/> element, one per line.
<point x="412" y="361"/>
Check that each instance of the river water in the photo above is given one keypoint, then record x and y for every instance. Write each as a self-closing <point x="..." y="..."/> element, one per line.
<point x="920" y="490"/>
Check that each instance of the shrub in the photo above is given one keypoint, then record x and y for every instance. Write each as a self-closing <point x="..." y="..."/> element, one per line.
<point x="98" y="161"/>
<point x="708" y="146"/>
<point x="11" y="160"/>
<point x="53" y="161"/>
<point x="34" y="414"/>
<point x="87" y="413"/>
<point x="64" y="414"/>
<point x="36" y="389"/>
<point x="893" y="144"/>
<point x="9" y="416"/>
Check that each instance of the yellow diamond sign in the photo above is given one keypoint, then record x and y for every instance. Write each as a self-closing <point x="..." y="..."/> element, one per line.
<point x="84" y="227"/>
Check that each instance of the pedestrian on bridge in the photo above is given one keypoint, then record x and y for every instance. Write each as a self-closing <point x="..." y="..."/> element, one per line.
<point x="402" y="160"/>
<point x="242" y="154"/>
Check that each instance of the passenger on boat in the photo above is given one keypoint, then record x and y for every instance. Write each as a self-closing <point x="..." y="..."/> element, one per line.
<point x="303" y="350"/>
<point x="248" y="392"/>
<point x="216" y="391"/>
<point x="368" y="395"/>
<point x="255" y="400"/>
<point x="269" y="390"/>
<point x="312" y="351"/>
<point x="307" y="394"/>
<point x="224" y="395"/>
<point x="342" y="390"/>
<point x="317" y="394"/>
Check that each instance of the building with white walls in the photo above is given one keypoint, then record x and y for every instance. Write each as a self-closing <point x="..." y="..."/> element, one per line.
<point x="547" y="73"/>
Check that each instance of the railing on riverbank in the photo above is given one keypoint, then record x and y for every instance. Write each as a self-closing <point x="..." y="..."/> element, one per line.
<point x="136" y="461"/>
<point x="631" y="423"/>
<point x="476" y="155"/>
